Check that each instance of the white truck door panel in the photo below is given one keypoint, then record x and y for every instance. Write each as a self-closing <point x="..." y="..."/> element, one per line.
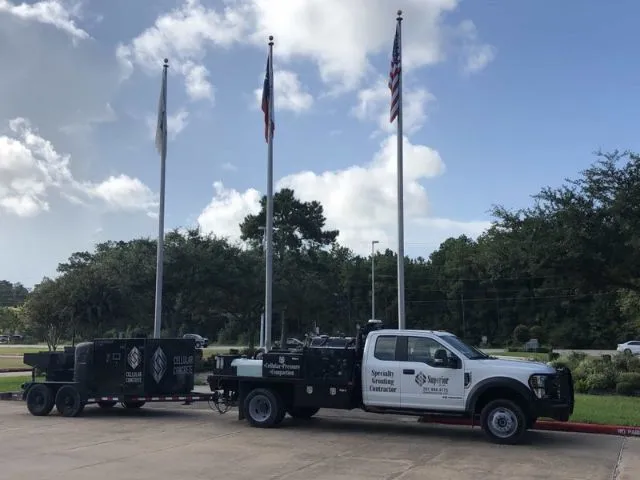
<point x="428" y="384"/>
<point x="381" y="374"/>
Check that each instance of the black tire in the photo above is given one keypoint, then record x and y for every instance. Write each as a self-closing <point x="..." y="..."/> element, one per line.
<point x="40" y="400"/>
<point x="68" y="401"/>
<point x="627" y="351"/>
<point x="303" y="413"/>
<point x="263" y="408"/>
<point x="503" y="422"/>
<point x="198" y="345"/>
<point x="132" y="404"/>
<point x="106" y="404"/>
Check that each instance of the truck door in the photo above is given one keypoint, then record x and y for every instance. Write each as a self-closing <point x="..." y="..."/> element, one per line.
<point x="432" y="375"/>
<point x="381" y="374"/>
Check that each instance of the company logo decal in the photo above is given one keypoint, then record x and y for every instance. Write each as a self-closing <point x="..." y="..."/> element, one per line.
<point x="134" y="358"/>
<point x="158" y="365"/>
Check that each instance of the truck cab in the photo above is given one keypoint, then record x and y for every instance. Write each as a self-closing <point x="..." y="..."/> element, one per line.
<point x="407" y="372"/>
<point x="417" y="371"/>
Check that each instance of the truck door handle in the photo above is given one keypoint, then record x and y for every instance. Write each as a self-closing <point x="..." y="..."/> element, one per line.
<point x="408" y="371"/>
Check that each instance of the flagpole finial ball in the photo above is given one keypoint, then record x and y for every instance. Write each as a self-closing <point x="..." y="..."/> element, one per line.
<point x="399" y="12"/>
<point x="166" y="61"/>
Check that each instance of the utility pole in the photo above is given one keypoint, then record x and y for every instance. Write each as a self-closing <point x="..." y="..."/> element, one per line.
<point x="373" y="279"/>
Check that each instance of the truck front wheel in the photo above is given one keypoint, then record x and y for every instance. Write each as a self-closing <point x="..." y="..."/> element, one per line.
<point x="263" y="408"/>
<point x="303" y="412"/>
<point x="503" y="422"/>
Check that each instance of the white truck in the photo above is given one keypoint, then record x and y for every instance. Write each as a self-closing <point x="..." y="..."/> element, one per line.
<point x="406" y="372"/>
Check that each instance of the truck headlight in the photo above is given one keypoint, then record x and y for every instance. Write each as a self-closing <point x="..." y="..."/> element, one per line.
<point x="538" y="385"/>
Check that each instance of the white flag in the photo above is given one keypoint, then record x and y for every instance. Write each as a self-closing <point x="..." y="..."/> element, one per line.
<point x="161" y="129"/>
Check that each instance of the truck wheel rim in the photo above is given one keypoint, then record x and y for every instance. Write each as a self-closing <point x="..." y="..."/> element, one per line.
<point x="38" y="400"/>
<point x="260" y="408"/>
<point x="503" y="422"/>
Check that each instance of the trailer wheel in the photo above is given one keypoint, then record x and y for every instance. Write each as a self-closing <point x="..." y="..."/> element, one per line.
<point x="263" y="408"/>
<point x="106" y="404"/>
<point x="303" y="412"/>
<point x="131" y="404"/>
<point x="503" y="422"/>
<point x="68" y="401"/>
<point x="40" y="400"/>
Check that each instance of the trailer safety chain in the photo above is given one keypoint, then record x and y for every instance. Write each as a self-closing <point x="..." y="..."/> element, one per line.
<point x="220" y="404"/>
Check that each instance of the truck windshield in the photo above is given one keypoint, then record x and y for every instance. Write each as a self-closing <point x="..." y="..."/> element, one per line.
<point x="468" y="351"/>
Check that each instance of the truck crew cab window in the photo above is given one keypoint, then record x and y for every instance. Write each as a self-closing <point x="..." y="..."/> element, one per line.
<point x="427" y="350"/>
<point x="385" y="348"/>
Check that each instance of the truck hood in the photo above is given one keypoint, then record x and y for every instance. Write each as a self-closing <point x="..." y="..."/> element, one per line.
<point x="516" y="365"/>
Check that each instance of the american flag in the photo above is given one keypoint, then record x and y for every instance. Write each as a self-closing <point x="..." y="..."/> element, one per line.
<point x="267" y="108"/>
<point x="394" y="76"/>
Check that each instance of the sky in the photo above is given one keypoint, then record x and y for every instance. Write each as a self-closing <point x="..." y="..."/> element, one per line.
<point x="499" y="100"/>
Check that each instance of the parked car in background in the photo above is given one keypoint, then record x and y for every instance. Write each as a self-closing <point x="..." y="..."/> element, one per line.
<point x="632" y="346"/>
<point x="201" y="342"/>
<point x="4" y="339"/>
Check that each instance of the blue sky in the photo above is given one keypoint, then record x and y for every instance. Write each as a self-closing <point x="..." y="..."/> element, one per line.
<point x="500" y="99"/>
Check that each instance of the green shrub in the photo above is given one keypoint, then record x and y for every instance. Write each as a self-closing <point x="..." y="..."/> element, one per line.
<point x="574" y="358"/>
<point x="632" y="378"/>
<point x="624" y="388"/>
<point x="601" y="381"/>
<point x="553" y="356"/>
<point x="581" y="386"/>
<point x="559" y="363"/>
<point x="633" y="364"/>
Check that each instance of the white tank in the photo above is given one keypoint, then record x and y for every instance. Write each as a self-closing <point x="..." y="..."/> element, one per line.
<point x="247" y="367"/>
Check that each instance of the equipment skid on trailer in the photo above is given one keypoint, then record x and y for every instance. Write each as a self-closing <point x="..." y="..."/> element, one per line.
<point x="406" y="372"/>
<point x="106" y="372"/>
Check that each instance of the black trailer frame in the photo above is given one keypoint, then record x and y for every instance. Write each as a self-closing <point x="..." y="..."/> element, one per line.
<point x="70" y="398"/>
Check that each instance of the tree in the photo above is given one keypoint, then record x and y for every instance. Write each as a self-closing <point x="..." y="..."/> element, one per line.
<point x="521" y="334"/>
<point x="48" y="314"/>
<point x="298" y="225"/>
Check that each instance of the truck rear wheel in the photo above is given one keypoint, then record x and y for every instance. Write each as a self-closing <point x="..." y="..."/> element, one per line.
<point x="40" y="400"/>
<point x="68" y="401"/>
<point x="303" y="412"/>
<point x="503" y="422"/>
<point x="263" y="408"/>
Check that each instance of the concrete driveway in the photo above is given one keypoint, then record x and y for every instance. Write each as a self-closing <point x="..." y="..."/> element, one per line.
<point x="178" y="442"/>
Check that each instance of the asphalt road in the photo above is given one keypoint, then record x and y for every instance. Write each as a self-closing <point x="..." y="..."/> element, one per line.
<point x="193" y="442"/>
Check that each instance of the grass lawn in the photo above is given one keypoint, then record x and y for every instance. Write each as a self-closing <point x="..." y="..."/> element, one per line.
<point x="607" y="409"/>
<point x="12" y="362"/>
<point x="12" y="384"/>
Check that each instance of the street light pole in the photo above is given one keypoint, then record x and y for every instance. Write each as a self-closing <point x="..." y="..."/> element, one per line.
<point x="373" y="280"/>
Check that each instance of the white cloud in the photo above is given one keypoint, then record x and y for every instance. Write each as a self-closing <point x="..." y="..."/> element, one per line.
<point x="51" y="12"/>
<point x="31" y="168"/>
<point x="476" y="55"/>
<point x="360" y="201"/>
<point x="197" y="82"/>
<point x="338" y="36"/>
<point x="374" y="104"/>
<point x="124" y="193"/>
<point x="288" y="92"/>
<point x="227" y="209"/>
<point x="229" y="167"/>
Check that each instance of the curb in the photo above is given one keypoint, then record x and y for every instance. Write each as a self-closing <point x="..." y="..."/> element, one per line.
<point x="10" y="395"/>
<point x="573" y="427"/>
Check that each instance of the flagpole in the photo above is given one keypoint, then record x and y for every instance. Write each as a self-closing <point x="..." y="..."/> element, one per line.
<point x="161" y="143"/>
<point x="268" y="301"/>
<point x="401" y="306"/>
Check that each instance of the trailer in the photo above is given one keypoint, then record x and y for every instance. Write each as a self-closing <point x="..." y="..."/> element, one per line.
<point x="422" y="373"/>
<point x="105" y="372"/>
